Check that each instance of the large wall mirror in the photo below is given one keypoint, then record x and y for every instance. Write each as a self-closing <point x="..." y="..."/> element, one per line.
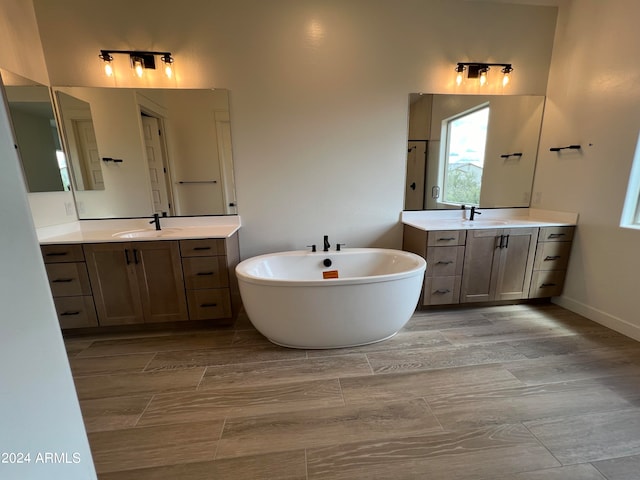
<point x="471" y="150"/>
<point x="36" y="133"/>
<point x="136" y="152"/>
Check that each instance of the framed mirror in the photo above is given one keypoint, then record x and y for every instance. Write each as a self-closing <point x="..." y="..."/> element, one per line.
<point x="35" y="129"/>
<point x="471" y="150"/>
<point x="165" y="151"/>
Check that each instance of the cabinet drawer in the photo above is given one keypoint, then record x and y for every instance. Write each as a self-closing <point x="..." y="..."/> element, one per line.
<point x="68" y="279"/>
<point x="444" y="261"/>
<point x="439" y="238"/>
<point x="76" y="312"/>
<point x="204" y="272"/>
<point x="556" y="234"/>
<point x="441" y="290"/>
<point x="547" y="283"/>
<point x="62" y="253"/>
<point x="552" y="256"/>
<point x="209" y="304"/>
<point x="202" y="247"/>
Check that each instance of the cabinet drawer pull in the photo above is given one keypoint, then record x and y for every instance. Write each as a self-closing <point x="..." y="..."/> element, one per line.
<point x="56" y="254"/>
<point x="202" y="248"/>
<point x="446" y="239"/>
<point x="135" y="255"/>
<point x="544" y="285"/>
<point x="442" y="292"/>
<point x="126" y="256"/>
<point x="205" y="273"/>
<point x="66" y="314"/>
<point x="444" y="262"/>
<point x="556" y="235"/>
<point x="62" y="280"/>
<point x="208" y="304"/>
<point x="552" y="257"/>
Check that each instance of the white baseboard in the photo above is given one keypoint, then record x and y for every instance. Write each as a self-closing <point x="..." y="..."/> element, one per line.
<point x="603" y="318"/>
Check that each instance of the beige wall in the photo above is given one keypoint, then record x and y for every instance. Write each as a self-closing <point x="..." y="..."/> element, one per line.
<point x="594" y="101"/>
<point x="318" y="91"/>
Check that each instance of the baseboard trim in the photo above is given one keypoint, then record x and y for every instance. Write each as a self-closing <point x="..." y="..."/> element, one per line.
<point x="603" y="318"/>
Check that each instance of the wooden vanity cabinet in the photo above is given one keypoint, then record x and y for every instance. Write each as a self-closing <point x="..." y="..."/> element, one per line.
<point x="552" y="257"/>
<point x="137" y="282"/>
<point x="444" y="252"/>
<point x="490" y="265"/>
<point x="498" y="264"/>
<point x="69" y="283"/>
<point x="209" y="269"/>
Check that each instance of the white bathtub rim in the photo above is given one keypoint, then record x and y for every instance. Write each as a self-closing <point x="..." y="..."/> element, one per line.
<point x="244" y="276"/>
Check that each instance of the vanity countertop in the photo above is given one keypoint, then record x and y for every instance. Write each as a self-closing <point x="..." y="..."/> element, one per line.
<point x="488" y="218"/>
<point x="139" y="229"/>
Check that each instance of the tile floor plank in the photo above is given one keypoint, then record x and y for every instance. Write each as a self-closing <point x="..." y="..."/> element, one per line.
<point x="625" y="468"/>
<point x="323" y="427"/>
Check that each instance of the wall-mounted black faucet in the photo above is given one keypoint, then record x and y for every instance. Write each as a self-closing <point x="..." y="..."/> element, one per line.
<point x="156" y="221"/>
<point x="327" y="245"/>
<point x="473" y="213"/>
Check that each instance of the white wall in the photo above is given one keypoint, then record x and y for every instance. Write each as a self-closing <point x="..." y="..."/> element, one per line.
<point x="594" y="101"/>
<point x="318" y="91"/>
<point x="39" y="411"/>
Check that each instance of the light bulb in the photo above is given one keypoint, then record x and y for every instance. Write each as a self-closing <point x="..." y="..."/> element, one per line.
<point x="138" y="67"/>
<point x="505" y="80"/>
<point x="168" y="65"/>
<point x="506" y="71"/>
<point x="483" y="78"/>
<point x="459" y="74"/>
<point x="108" y="69"/>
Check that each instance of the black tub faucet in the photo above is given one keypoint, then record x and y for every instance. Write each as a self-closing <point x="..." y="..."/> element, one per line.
<point x="326" y="243"/>
<point x="473" y="213"/>
<point x="156" y="221"/>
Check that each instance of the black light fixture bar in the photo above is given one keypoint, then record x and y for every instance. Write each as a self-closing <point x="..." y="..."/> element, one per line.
<point x="147" y="58"/>
<point x="475" y="68"/>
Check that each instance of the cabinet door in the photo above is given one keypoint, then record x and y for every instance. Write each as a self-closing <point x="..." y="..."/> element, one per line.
<point x="160" y="281"/>
<point x="478" y="275"/>
<point x="515" y="263"/>
<point x="113" y="281"/>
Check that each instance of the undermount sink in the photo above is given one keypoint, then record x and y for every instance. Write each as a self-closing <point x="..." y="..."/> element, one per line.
<point x="147" y="233"/>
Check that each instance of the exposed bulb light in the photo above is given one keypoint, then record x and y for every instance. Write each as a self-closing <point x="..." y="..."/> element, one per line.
<point x="108" y="67"/>
<point x="506" y="78"/>
<point x="483" y="76"/>
<point x="138" y="66"/>
<point x="167" y="60"/>
<point x="459" y="77"/>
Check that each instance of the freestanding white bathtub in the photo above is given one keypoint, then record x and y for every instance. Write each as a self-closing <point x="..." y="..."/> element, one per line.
<point x="290" y="302"/>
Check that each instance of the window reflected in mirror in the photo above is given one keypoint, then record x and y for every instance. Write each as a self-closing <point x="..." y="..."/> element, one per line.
<point x="471" y="150"/>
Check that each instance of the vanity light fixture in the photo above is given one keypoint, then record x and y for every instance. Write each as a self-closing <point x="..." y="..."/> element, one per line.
<point x="477" y="70"/>
<point x="140" y="61"/>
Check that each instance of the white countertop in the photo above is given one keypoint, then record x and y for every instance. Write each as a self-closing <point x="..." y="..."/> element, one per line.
<point x="139" y="229"/>
<point x="488" y="218"/>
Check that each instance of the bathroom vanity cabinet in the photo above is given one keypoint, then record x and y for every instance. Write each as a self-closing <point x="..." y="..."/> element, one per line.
<point x="144" y="282"/>
<point x="136" y="282"/>
<point x="69" y="281"/>
<point x="494" y="264"/>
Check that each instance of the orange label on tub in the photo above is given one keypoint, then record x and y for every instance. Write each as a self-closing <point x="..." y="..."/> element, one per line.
<point x="330" y="274"/>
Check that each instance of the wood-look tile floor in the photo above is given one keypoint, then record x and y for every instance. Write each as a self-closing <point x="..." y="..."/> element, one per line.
<point x="518" y="392"/>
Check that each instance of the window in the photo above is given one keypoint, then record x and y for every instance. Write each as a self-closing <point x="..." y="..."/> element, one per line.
<point x="466" y="137"/>
<point x="631" y="210"/>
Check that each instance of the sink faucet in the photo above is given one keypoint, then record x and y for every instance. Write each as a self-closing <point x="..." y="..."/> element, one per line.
<point x="473" y="213"/>
<point x="326" y="243"/>
<point x="156" y="221"/>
